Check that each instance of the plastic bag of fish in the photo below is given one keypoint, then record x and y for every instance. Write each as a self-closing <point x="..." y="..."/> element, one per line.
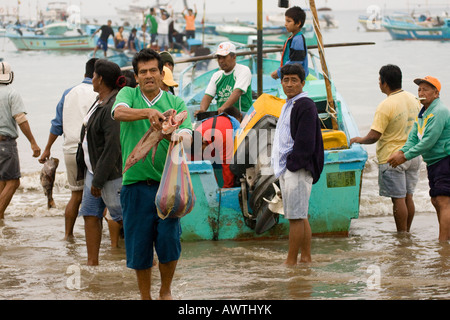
<point x="175" y="197"/>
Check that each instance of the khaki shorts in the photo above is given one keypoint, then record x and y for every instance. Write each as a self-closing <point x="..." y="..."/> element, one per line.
<point x="296" y="191"/>
<point x="71" y="170"/>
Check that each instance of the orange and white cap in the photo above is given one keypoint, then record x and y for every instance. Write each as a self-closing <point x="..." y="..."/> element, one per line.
<point x="225" y="48"/>
<point x="430" y="80"/>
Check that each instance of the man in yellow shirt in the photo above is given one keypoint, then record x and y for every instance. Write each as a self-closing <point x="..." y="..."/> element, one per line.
<point x="392" y="123"/>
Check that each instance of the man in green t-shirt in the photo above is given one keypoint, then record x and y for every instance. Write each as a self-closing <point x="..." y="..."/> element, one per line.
<point x="231" y="86"/>
<point x="150" y="21"/>
<point x="138" y="109"/>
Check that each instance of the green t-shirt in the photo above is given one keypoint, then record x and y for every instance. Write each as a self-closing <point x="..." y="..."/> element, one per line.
<point x="222" y="85"/>
<point x="132" y="132"/>
<point x="153" y="23"/>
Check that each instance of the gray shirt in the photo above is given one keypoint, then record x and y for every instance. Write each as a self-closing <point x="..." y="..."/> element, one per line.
<point x="11" y="104"/>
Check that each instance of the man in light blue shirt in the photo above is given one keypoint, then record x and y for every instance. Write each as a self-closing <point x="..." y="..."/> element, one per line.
<point x="283" y="137"/>
<point x="297" y="159"/>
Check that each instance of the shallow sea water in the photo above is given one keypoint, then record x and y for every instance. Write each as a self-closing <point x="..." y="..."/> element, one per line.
<point x="373" y="262"/>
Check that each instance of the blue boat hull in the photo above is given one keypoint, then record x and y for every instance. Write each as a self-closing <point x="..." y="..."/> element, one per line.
<point x="219" y="213"/>
<point x="411" y="31"/>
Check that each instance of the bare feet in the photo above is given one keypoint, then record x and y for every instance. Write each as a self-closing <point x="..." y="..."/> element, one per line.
<point x="166" y="296"/>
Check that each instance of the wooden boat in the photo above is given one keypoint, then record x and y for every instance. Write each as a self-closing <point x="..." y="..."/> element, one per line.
<point x="53" y="29"/>
<point x="403" y="27"/>
<point x="326" y="21"/>
<point x="371" y="24"/>
<point x="271" y="34"/>
<point x="38" y="40"/>
<point x="372" y="20"/>
<point x="242" y="212"/>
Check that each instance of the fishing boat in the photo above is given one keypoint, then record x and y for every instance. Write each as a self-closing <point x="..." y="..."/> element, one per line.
<point x="37" y="41"/>
<point x="372" y="20"/>
<point x="273" y="35"/>
<point x="404" y="27"/>
<point x="326" y="21"/>
<point x="371" y="24"/>
<point x="53" y="29"/>
<point x="244" y="212"/>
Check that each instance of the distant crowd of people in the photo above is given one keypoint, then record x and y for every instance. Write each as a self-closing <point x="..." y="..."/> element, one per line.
<point x="157" y="32"/>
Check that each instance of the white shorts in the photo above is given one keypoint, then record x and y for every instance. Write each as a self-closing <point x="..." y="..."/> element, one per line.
<point x="163" y="40"/>
<point x="70" y="161"/>
<point x="296" y="191"/>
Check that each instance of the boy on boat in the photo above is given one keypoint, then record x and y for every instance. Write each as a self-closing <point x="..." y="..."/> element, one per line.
<point x="297" y="159"/>
<point x="430" y="138"/>
<point x="295" y="50"/>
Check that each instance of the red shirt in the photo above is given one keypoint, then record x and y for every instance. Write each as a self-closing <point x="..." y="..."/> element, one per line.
<point x="221" y="145"/>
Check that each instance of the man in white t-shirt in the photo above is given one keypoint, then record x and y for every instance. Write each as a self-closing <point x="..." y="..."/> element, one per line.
<point x="70" y="113"/>
<point x="163" y="30"/>
<point x="231" y="86"/>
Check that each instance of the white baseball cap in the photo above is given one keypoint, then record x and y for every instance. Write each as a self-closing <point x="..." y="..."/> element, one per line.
<point x="225" y="48"/>
<point x="6" y="75"/>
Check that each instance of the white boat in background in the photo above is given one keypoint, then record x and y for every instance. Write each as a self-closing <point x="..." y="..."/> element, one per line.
<point x="372" y="21"/>
<point x="272" y="35"/>
<point x="326" y="20"/>
<point x="54" y="29"/>
<point x="371" y="24"/>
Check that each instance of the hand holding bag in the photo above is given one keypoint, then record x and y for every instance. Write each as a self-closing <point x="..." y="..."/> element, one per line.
<point x="175" y="197"/>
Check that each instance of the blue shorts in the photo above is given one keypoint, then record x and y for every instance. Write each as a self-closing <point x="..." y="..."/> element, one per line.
<point x="92" y="206"/>
<point x="102" y="45"/>
<point x="400" y="181"/>
<point x="439" y="178"/>
<point x="144" y="229"/>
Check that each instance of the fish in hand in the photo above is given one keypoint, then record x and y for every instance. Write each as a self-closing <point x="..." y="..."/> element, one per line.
<point x="48" y="174"/>
<point x="152" y="137"/>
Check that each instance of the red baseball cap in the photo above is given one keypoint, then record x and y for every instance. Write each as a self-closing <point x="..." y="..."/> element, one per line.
<point x="430" y="80"/>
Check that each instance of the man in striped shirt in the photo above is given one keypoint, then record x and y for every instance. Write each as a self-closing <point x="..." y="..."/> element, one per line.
<point x="297" y="159"/>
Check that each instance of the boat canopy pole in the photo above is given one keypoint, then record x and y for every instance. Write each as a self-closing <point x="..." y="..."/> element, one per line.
<point x="260" y="47"/>
<point x="272" y="50"/>
<point x="330" y="106"/>
<point x="203" y="23"/>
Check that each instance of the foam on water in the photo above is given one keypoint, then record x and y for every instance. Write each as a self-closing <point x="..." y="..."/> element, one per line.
<point x="30" y="200"/>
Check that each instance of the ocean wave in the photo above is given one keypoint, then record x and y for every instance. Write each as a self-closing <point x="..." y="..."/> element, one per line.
<point x="31" y="201"/>
<point x="372" y="204"/>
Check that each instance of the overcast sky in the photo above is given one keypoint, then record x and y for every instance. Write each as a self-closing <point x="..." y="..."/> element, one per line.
<point x="108" y="7"/>
<point x="217" y="6"/>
